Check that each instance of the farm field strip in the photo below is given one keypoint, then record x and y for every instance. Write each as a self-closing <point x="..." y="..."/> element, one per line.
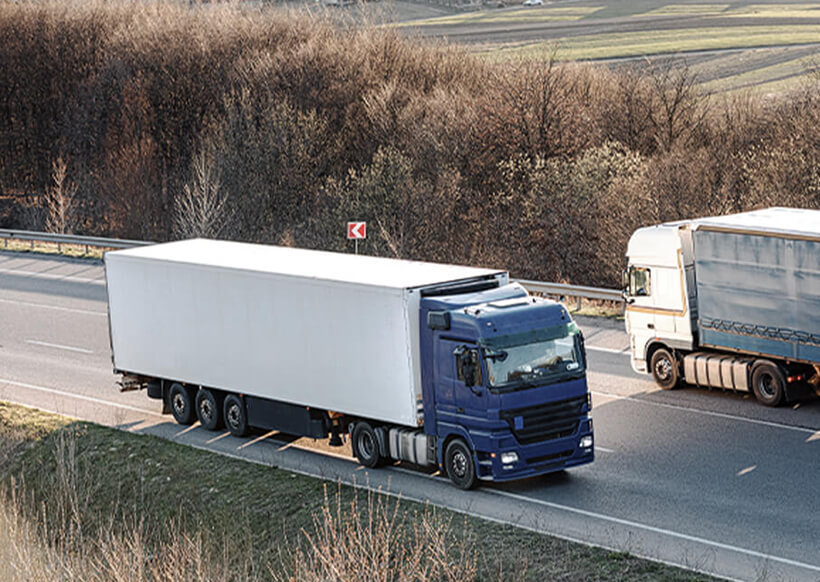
<point x="686" y="10"/>
<point x="749" y="10"/>
<point x="561" y="14"/>
<point x="765" y="76"/>
<point x="657" y="42"/>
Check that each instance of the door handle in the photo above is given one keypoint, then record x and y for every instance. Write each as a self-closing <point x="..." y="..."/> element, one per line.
<point x="650" y="325"/>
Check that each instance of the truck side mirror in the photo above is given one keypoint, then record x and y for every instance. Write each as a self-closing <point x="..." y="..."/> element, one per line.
<point x="439" y="320"/>
<point x="467" y="365"/>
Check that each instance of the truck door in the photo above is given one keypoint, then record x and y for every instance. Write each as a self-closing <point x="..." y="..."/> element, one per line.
<point x="467" y="376"/>
<point x="640" y="316"/>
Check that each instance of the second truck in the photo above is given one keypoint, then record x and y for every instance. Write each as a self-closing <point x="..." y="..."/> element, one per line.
<point x="437" y="365"/>
<point x="731" y="302"/>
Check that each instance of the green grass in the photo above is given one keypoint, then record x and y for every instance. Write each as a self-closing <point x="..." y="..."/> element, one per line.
<point x="97" y="484"/>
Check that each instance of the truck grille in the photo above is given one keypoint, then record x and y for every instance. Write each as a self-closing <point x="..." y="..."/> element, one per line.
<point x="546" y="422"/>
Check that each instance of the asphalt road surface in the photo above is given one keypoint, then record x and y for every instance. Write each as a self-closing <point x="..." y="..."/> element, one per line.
<point x="707" y="480"/>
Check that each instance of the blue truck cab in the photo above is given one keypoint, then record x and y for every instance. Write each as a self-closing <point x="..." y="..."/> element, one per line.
<point x="504" y="385"/>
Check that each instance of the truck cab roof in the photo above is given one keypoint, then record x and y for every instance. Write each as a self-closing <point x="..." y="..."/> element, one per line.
<point x="501" y="311"/>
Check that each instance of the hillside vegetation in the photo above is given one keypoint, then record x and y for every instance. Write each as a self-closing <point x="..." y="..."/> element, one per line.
<point x="159" y="121"/>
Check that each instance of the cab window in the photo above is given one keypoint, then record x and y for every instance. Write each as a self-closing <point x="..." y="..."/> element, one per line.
<point x="640" y="283"/>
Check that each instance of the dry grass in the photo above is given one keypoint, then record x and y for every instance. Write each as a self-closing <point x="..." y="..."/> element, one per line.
<point x="381" y="540"/>
<point x="54" y="535"/>
<point x="80" y="502"/>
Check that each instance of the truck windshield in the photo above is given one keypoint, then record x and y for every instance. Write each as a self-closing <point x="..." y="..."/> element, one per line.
<point x="542" y="360"/>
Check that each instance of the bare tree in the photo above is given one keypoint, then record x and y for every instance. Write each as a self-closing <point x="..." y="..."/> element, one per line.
<point x="201" y="209"/>
<point x="59" y="200"/>
<point x="680" y="109"/>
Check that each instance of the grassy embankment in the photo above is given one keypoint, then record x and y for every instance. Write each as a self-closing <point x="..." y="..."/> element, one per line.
<point x="84" y="502"/>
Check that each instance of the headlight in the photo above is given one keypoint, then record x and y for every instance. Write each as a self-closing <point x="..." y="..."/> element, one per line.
<point x="508" y="458"/>
<point x="586" y="442"/>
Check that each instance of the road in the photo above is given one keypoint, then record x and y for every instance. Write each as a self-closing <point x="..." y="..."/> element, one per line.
<point x="706" y="480"/>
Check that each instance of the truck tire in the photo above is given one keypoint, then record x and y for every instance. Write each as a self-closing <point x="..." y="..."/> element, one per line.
<point x="664" y="368"/>
<point x="768" y="384"/>
<point x="208" y="409"/>
<point x="366" y="445"/>
<point x="236" y="418"/>
<point x="181" y="400"/>
<point x="458" y="461"/>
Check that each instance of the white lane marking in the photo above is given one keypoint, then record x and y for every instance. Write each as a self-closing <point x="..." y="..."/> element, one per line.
<point x="800" y="429"/>
<point x="623" y="352"/>
<point x="55" y="307"/>
<point x="78" y="397"/>
<point x="653" y="529"/>
<point x="603" y="450"/>
<point x="53" y="276"/>
<point x="59" y="346"/>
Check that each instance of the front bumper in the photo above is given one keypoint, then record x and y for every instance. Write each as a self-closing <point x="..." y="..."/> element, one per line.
<point x="536" y="458"/>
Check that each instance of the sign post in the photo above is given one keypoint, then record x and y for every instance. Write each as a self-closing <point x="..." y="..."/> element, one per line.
<point x="356" y="231"/>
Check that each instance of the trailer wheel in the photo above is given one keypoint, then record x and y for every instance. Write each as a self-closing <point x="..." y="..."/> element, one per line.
<point x="236" y="418"/>
<point x="366" y="445"/>
<point x="458" y="460"/>
<point x="181" y="400"/>
<point x="208" y="409"/>
<point x="768" y="384"/>
<point x="664" y="368"/>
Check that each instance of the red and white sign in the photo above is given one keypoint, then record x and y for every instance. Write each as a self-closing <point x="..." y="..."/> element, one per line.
<point x="356" y="230"/>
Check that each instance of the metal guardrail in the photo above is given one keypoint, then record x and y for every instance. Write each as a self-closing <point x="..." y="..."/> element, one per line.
<point x="562" y="290"/>
<point x="69" y="239"/>
<point x="538" y="287"/>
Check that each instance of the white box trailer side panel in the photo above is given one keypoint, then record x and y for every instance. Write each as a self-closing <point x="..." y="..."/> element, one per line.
<point x="333" y="345"/>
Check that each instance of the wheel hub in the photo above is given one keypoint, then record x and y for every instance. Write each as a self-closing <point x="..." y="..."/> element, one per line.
<point x="366" y="445"/>
<point x="233" y="416"/>
<point x="663" y="368"/>
<point x="206" y="410"/>
<point x="179" y="403"/>
<point x="765" y="385"/>
<point x="459" y="464"/>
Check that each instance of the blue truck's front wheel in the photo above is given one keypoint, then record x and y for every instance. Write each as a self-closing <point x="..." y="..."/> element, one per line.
<point x="458" y="461"/>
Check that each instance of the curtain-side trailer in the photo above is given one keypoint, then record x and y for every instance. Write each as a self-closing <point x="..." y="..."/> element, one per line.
<point x="730" y="302"/>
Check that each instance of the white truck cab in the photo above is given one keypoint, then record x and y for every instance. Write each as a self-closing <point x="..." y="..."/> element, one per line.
<point x="659" y="290"/>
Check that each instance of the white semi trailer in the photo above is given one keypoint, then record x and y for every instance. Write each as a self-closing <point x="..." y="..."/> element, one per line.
<point x="433" y="364"/>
